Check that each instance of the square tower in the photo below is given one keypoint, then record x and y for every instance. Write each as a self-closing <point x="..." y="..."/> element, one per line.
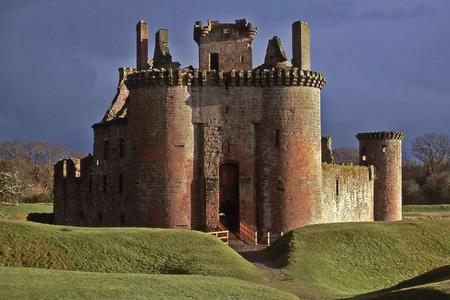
<point x="225" y="46"/>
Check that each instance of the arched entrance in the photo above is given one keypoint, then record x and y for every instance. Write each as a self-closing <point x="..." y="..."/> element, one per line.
<point x="229" y="196"/>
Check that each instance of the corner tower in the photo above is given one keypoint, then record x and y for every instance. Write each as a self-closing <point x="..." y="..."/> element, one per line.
<point x="289" y="142"/>
<point x="225" y="46"/>
<point x="384" y="150"/>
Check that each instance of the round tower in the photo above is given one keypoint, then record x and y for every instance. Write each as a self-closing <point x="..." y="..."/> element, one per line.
<point x="160" y="142"/>
<point x="161" y="160"/>
<point x="293" y="124"/>
<point x="289" y="142"/>
<point x="384" y="150"/>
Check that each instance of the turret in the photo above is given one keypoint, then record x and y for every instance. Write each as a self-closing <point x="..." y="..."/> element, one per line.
<point x="225" y="46"/>
<point x="384" y="151"/>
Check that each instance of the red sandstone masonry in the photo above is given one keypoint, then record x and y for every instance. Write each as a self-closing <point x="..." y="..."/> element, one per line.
<point x="161" y="144"/>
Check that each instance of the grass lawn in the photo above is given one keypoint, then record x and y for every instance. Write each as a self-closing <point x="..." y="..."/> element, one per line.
<point x="374" y="260"/>
<point x="438" y="210"/>
<point x="347" y="259"/>
<point x="120" y="250"/>
<point x="21" y="211"/>
<point x="30" y="283"/>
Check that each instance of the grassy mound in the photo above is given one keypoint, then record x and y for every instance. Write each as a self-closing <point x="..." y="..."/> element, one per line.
<point x="431" y="285"/>
<point x="432" y="291"/>
<point x="21" y="211"/>
<point x="353" y="258"/>
<point x="119" y="250"/>
<point x="53" y="284"/>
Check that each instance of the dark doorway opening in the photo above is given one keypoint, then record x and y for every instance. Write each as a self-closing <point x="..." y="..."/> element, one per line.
<point x="214" y="61"/>
<point x="229" y="196"/>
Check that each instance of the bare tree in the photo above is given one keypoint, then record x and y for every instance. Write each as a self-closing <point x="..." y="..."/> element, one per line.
<point x="432" y="149"/>
<point x="26" y="168"/>
<point x="11" y="186"/>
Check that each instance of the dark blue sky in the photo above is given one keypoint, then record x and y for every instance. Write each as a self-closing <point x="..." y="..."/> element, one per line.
<point x="387" y="62"/>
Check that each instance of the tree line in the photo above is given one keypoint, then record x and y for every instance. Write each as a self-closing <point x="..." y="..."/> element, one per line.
<point x="26" y="170"/>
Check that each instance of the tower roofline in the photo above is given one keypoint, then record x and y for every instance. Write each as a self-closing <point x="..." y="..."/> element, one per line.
<point x="380" y="135"/>
<point x="218" y="30"/>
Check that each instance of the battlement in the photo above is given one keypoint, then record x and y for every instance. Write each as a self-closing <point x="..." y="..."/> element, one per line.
<point x="258" y="77"/>
<point x="223" y="31"/>
<point x="380" y="135"/>
<point x="68" y="168"/>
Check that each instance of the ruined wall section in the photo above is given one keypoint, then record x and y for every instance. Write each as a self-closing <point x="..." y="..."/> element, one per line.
<point x="118" y="108"/>
<point x="91" y="191"/>
<point x="67" y="185"/>
<point x="347" y="193"/>
<point x="327" y="151"/>
<point x="107" y="181"/>
<point x="59" y="191"/>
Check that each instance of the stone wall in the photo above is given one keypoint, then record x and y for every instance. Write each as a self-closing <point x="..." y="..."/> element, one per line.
<point x="348" y="193"/>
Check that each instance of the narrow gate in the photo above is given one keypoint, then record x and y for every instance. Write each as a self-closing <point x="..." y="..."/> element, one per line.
<point x="229" y="196"/>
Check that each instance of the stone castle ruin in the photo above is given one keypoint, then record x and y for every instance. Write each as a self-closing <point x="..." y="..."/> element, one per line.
<point x="225" y="143"/>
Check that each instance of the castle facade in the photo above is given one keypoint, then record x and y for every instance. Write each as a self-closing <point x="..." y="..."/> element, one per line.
<point x="224" y="143"/>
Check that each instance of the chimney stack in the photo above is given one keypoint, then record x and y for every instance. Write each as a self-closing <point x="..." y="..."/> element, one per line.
<point x="142" y="45"/>
<point x="301" y="54"/>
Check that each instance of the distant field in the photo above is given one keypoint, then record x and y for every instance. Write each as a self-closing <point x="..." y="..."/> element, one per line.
<point x="21" y="211"/>
<point x="346" y="259"/>
<point x="119" y="250"/>
<point x="427" y="211"/>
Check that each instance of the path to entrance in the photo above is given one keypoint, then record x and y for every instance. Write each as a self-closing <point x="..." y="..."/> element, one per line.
<point x="255" y="255"/>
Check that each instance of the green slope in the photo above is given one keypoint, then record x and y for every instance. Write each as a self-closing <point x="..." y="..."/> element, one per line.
<point x="337" y="260"/>
<point x="21" y="211"/>
<point x="432" y="291"/>
<point x="119" y="250"/>
<point x="29" y="283"/>
<point x="434" y="284"/>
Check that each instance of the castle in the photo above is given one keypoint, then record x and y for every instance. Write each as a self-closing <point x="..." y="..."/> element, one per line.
<point x="224" y="144"/>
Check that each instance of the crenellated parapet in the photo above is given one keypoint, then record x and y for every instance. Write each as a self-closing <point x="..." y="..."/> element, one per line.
<point x="380" y="135"/>
<point x="225" y="31"/>
<point x="257" y="77"/>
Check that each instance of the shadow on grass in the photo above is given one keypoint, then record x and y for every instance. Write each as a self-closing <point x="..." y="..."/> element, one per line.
<point x="46" y="218"/>
<point x="395" y="292"/>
